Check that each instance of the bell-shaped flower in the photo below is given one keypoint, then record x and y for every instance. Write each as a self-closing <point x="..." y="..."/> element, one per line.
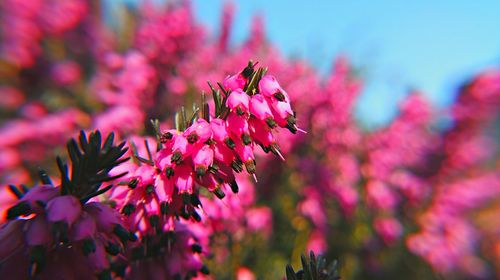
<point x="260" y="132"/>
<point x="223" y="154"/>
<point x="219" y="130"/>
<point x="284" y="116"/>
<point x="263" y="135"/>
<point x="282" y="110"/>
<point x="238" y="101"/>
<point x="184" y="179"/>
<point x="209" y="181"/>
<point x="238" y="125"/>
<point x="84" y="228"/>
<point x="66" y="208"/>
<point x="203" y="157"/>
<point x="270" y="88"/>
<point x="245" y="153"/>
<point x="165" y="163"/>
<point x="37" y="194"/>
<point x="225" y="173"/>
<point x="234" y="82"/>
<point x="145" y="175"/>
<point x="105" y="217"/>
<point x="38" y="231"/>
<point x="167" y="138"/>
<point x="200" y="131"/>
<point x="181" y="149"/>
<point x="164" y="188"/>
<point x="259" y="108"/>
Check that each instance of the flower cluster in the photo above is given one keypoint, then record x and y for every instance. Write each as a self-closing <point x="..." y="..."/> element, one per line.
<point x="460" y="219"/>
<point x="26" y="23"/>
<point x="203" y="153"/>
<point x="151" y="194"/>
<point x="58" y="230"/>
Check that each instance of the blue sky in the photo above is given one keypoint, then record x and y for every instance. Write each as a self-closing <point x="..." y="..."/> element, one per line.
<point x="428" y="45"/>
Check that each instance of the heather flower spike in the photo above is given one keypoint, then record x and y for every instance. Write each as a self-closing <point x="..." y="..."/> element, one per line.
<point x="243" y="117"/>
<point x="62" y="220"/>
<point x="155" y="192"/>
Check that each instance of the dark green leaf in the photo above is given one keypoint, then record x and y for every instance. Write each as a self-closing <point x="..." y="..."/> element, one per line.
<point x="290" y="274"/>
<point x="44" y="177"/>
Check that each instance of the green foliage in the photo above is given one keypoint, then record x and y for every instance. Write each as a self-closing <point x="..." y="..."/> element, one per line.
<point x="315" y="268"/>
<point x="91" y="162"/>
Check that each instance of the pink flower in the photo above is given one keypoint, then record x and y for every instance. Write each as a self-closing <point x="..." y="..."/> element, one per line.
<point x="234" y="82"/>
<point x="238" y="125"/>
<point x="181" y="148"/>
<point x="238" y="101"/>
<point x="261" y="133"/>
<point x="282" y="111"/>
<point x="38" y="231"/>
<point x="389" y="229"/>
<point x="65" y="209"/>
<point x="219" y="129"/>
<point x="43" y="193"/>
<point x="105" y="217"/>
<point x="245" y="153"/>
<point x="84" y="228"/>
<point x="200" y="131"/>
<point x="270" y="88"/>
<point x="259" y="107"/>
<point x="184" y="179"/>
<point x="66" y="73"/>
<point x="223" y="154"/>
<point x="317" y="242"/>
<point x="260" y="219"/>
<point x="244" y="273"/>
<point x="203" y="157"/>
<point x="164" y="188"/>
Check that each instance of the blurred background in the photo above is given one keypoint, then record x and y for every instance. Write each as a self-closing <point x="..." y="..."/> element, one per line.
<point x="424" y="45"/>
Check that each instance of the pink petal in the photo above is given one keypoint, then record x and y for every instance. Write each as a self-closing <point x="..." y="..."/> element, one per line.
<point x="65" y="208"/>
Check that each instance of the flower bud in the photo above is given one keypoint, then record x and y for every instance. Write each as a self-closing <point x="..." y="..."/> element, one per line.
<point x="238" y="125"/>
<point x="38" y="194"/>
<point x="238" y="101"/>
<point x="65" y="209"/>
<point x="270" y="88"/>
<point x="261" y="133"/>
<point x="223" y="154"/>
<point x="164" y="188"/>
<point x="38" y="232"/>
<point x="181" y="145"/>
<point x="259" y="107"/>
<point x="219" y="130"/>
<point x="184" y="179"/>
<point x="105" y="217"/>
<point x="234" y="82"/>
<point x="203" y="157"/>
<point x="200" y="131"/>
<point x="84" y="228"/>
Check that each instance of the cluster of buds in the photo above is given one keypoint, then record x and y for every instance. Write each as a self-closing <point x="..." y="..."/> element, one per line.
<point x="207" y="150"/>
<point x="203" y="153"/>
<point x="61" y="230"/>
